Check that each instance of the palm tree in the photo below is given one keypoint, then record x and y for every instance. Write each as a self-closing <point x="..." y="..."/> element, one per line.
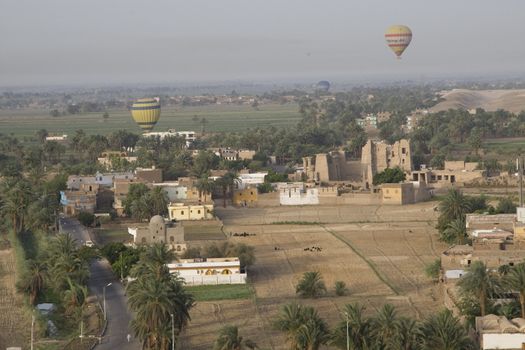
<point x="479" y="282"/>
<point x="443" y="331"/>
<point x="158" y="201"/>
<point x="453" y="206"/>
<point x="313" y="332"/>
<point x="74" y="297"/>
<point x="289" y="321"/>
<point x="155" y="295"/>
<point x="515" y="281"/>
<point x="226" y="183"/>
<point x="407" y="335"/>
<point x="311" y="285"/>
<point x="15" y="201"/>
<point x="384" y="327"/>
<point x="359" y="329"/>
<point x="455" y="232"/>
<point x="35" y="281"/>
<point x="205" y="186"/>
<point x="229" y="339"/>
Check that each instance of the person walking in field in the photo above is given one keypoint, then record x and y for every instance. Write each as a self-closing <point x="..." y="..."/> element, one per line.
<point x="128" y="337"/>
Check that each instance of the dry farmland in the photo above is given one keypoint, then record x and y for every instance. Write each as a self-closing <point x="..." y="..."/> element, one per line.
<point x="15" y="324"/>
<point x="379" y="251"/>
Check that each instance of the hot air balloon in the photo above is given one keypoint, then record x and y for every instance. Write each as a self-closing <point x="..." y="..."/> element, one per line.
<point x="146" y="113"/>
<point x="398" y="38"/>
<point x="323" y="86"/>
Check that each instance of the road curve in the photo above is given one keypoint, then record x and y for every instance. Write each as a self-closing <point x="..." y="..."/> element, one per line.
<point x="117" y="312"/>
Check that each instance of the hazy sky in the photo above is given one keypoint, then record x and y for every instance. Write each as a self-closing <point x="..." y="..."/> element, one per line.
<point x="145" y="41"/>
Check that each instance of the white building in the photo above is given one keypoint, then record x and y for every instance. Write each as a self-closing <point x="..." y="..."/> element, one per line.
<point x="250" y="180"/>
<point x="209" y="271"/>
<point x="189" y="136"/>
<point x="56" y="138"/>
<point x="498" y="332"/>
<point x="297" y="194"/>
<point x="174" y="191"/>
<point x="107" y="179"/>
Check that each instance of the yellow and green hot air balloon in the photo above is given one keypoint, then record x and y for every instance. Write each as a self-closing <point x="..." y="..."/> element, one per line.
<point x="146" y="113"/>
<point x="398" y="38"/>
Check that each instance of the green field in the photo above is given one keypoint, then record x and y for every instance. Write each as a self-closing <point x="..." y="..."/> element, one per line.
<point x="202" y="233"/>
<point x="26" y="122"/>
<point x="221" y="292"/>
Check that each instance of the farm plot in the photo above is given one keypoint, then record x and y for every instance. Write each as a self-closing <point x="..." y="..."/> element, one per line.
<point x="14" y="321"/>
<point x="379" y="251"/>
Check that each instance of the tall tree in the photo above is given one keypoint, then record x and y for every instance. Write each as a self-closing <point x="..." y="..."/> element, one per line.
<point x="480" y="283"/>
<point x="385" y="327"/>
<point x="311" y="285"/>
<point x="443" y="331"/>
<point x="359" y="329"/>
<point x="229" y="339"/>
<point x="514" y="280"/>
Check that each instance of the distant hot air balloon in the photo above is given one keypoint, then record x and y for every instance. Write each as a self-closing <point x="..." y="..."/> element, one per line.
<point x="146" y="113"/>
<point x="398" y="38"/>
<point x="323" y="86"/>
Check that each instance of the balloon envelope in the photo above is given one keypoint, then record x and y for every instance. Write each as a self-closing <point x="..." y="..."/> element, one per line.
<point x="146" y="113"/>
<point x="398" y="38"/>
<point x="323" y="85"/>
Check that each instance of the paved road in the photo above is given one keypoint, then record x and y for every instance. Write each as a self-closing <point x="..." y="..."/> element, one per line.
<point x="117" y="312"/>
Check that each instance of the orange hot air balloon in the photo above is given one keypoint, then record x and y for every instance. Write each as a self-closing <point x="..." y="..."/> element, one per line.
<point x="398" y="38"/>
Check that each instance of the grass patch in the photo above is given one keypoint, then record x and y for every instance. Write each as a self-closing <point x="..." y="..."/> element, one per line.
<point x="202" y="233"/>
<point x="221" y="292"/>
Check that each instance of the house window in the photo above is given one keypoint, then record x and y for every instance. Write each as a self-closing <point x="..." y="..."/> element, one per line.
<point x="172" y="239"/>
<point x="198" y="211"/>
<point x="143" y="240"/>
<point x="251" y="193"/>
<point x="182" y="212"/>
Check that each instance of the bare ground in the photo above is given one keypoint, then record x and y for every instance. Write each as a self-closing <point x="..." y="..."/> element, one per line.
<point x="378" y="251"/>
<point x="15" y="322"/>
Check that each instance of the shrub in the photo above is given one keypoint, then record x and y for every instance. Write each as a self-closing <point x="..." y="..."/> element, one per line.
<point x="340" y="288"/>
<point x="432" y="270"/>
<point x="86" y="219"/>
<point x="311" y="285"/>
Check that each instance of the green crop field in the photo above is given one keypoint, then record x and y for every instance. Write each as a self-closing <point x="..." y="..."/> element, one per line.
<point x="26" y="122"/>
<point x="221" y="292"/>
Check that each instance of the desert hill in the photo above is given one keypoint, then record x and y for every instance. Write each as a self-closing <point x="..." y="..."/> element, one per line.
<point x="489" y="100"/>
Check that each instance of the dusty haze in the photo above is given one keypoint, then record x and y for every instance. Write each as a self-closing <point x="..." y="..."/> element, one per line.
<point x="132" y="41"/>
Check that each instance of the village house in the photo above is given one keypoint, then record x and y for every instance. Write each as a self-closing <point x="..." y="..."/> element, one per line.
<point x="83" y="199"/>
<point x="297" y="194"/>
<point x="202" y="271"/>
<point x="498" y="332"/>
<point x="107" y="158"/>
<point x="454" y="173"/>
<point x="181" y="211"/>
<point x="247" y="180"/>
<point x="246" y="197"/>
<point x="404" y="193"/>
<point x="159" y="231"/>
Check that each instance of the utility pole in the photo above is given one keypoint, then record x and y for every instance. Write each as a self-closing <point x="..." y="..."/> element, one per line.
<point x="32" y="329"/>
<point x="104" y="298"/>
<point x="347" y="333"/>
<point x="172" y="332"/>
<point x="520" y="174"/>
